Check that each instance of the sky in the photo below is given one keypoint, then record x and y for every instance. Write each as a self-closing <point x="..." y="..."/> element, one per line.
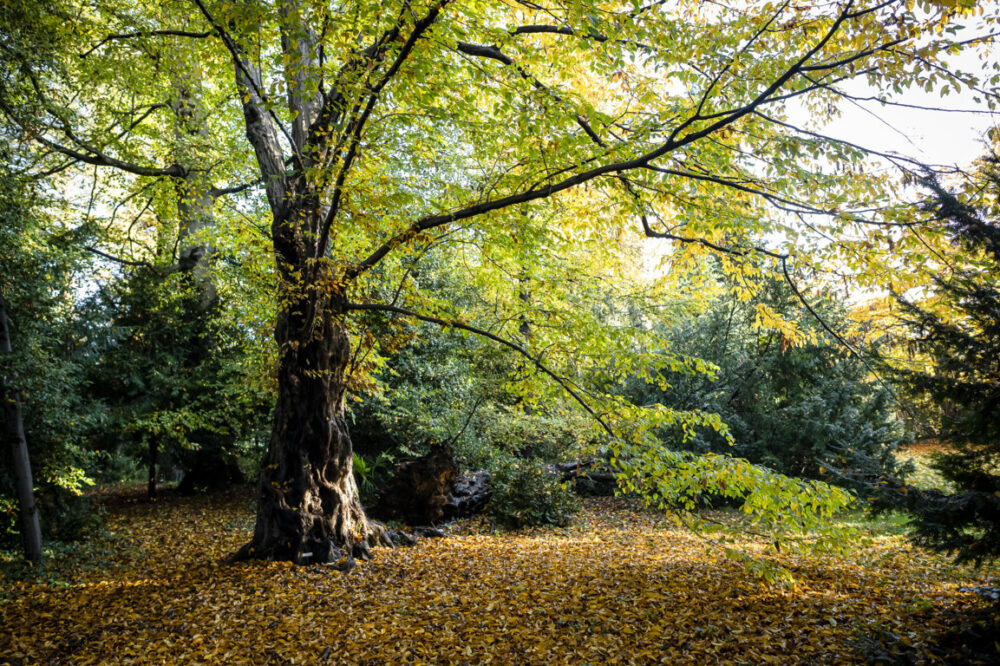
<point x="937" y="137"/>
<point x="947" y="139"/>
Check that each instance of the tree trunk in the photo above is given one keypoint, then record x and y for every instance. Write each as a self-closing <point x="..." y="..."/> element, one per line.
<point x="154" y="450"/>
<point x="195" y="198"/>
<point x="308" y="509"/>
<point x="31" y="531"/>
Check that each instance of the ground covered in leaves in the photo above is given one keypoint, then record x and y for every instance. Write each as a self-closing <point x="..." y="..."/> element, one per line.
<point x="617" y="586"/>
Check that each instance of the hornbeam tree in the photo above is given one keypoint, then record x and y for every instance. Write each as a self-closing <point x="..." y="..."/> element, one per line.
<point x="380" y="128"/>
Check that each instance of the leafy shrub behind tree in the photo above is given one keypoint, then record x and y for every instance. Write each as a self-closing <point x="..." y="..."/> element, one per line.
<point x="525" y="494"/>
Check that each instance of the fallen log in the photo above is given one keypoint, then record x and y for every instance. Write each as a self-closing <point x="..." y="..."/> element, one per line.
<point x="469" y="496"/>
<point x="429" y="490"/>
<point x="590" y="477"/>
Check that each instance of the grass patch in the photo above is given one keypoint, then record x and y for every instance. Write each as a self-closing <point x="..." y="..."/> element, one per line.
<point x="924" y="476"/>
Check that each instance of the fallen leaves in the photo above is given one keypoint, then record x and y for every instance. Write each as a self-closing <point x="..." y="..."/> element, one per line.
<point x="615" y="587"/>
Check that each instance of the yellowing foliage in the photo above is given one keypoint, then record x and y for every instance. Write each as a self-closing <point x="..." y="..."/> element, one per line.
<point x="617" y="586"/>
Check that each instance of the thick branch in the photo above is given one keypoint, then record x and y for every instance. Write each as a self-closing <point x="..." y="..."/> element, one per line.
<point x="260" y="122"/>
<point x="299" y="42"/>
<point x="335" y="103"/>
<point x="673" y="142"/>
<point x="100" y="159"/>
<point x="590" y="33"/>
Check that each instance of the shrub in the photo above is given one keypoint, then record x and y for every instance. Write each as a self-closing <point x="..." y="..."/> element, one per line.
<point x="525" y="494"/>
<point x="370" y="473"/>
<point x="808" y="409"/>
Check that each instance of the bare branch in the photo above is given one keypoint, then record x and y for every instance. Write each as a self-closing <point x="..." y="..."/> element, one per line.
<point x="778" y="201"/>
<point x="119" y="260"/>
<point x="217" y="192"/>
<point x="147" y="33"/>
<point x="734" y="251"/>
<point x="894" y="159"/>
<point x="494" y="53"/>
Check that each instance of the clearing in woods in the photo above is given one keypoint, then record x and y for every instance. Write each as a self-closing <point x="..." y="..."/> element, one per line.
<point x="618" y="585"/>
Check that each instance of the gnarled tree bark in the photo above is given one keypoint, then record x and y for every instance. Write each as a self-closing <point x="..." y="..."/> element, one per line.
<point x="308" y="507"/>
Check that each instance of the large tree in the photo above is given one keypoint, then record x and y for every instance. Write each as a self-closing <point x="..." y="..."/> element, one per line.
<point x="379" y="129"/>
<point x="954" y="334"/>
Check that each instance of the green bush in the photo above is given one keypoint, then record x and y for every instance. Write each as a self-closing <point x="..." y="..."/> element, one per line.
<point x="537" y="435"/>
<point x="69" y="516"/>
<point x="809" y="410"/>
<point x="65" y="516"/>
<point x="8" y="522"/>
<point x="370" y="473"/>
<point x="116" y="466"/>
<point x="524" y="494"/>
<point x="474" y="453"/>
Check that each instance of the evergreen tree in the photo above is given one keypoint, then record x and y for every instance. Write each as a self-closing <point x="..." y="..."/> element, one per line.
<point x="959" y="330"/>
<point x="806" y="409"/>
<point x="172" y="375"/>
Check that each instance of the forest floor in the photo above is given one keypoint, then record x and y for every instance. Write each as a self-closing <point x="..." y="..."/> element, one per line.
<point x="618" y="585"/>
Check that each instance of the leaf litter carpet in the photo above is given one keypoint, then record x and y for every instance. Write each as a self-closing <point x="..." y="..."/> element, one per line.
<point x="616" y="586"/>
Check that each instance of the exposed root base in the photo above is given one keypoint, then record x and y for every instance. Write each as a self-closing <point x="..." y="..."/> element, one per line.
<point x="318" y="550"/>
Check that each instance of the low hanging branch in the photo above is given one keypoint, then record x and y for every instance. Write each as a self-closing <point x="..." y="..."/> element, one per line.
<point x="840" y="339"/>
<point x="451" y="323"/>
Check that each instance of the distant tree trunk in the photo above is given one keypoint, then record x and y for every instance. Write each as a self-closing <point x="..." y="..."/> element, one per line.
<point x="31" y="531"/>
<point x="308" y="508"/>
<point x="524" y="328"/>
<point x="154" y="451"/>
<point x="195" y="196"/>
